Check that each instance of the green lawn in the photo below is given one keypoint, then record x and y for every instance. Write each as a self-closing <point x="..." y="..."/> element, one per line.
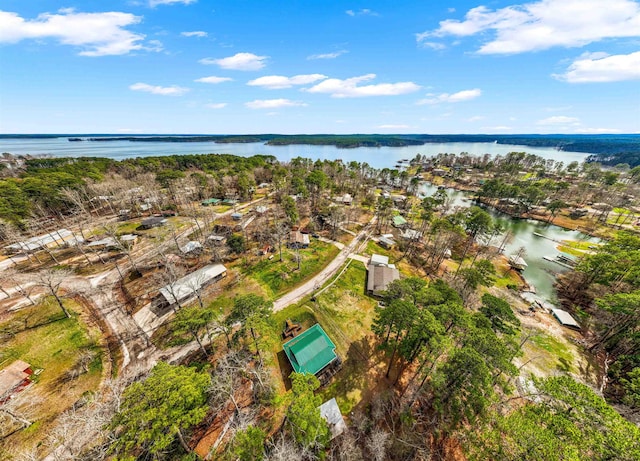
<point x="54" y="344"/>
<point x="549" y="353"/>
<point x="127" y="227"/>
<point x="278" y="277"/>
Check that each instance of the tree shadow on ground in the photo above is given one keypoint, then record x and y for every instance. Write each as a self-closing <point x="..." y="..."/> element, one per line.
<point x="285" y="369"/>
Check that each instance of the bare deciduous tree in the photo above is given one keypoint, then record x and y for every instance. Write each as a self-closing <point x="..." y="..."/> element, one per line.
<point x="51" y="280"/>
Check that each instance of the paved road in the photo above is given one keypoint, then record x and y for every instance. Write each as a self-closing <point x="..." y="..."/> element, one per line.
<point x="318" y="280"/>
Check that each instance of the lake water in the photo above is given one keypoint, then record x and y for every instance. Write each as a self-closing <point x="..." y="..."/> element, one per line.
<point x="377" y="157"/>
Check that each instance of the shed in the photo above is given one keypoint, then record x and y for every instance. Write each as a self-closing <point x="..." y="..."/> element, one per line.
<point x="107" y="242"/>
<point x="215" y="239"/>
<point x="331" y="413"/>
<point x="399" y="221"/>
<point x="386" y="242"/>
<point x="379" y="260"/>
<point x="192" y="247"/>
<point x="14" y="378"/>
<point x="311" y="351"/>
<point x="298" y="240"/>
<point x="412" y="234"/>
<point x="185" y="287"/>
<point x="210" y="202"/>
<point x="153" y="221"/>
<point x="128" y="238"/>
<point x="236" y="216"/>
<point x="229" y="201"/>
<point x="565" y="319"/>
<point x="261" y="209"/>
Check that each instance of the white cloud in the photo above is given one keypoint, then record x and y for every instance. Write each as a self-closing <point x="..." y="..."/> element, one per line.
<point x="154" y="3"/>
<point x="333" y="55"/>
<point x="272" y="103"/>
<point x="544" y="24"/>
<point x="475" y="118"/>
<point x="559" y="120"/>
<point x="603" y="68"/>
<point x="276" y="82"/>
<point x="349" y="88"/>
<point x="213" y="79"/>
<point x="239" y="61"/>
<point x="97" y="34"/>
<point x="393" y="127"/>
<point x="161" y="90"/>
<point x="433" y="45"/>
<point x="362" y="12"/>
<point x="216" y="105"/>
<point x="194" y="33"/>
<point x="460" y="96"/>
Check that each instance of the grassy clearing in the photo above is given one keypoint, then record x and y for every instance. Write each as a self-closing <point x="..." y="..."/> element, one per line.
<point x="549" y="353"/>
<point x="127" y="227"/>
<point x="575" y="248"/>
<point x="54" y="344"/>
<point x="277" y="277"/>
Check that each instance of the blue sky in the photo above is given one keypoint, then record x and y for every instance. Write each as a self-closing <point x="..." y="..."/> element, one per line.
<point x="240" y="66"/>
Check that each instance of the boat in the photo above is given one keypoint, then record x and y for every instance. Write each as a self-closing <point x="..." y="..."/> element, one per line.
<point x="75" y="139"/>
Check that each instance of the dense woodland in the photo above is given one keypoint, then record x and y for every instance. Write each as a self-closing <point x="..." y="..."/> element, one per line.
<point x="446" y="346"/>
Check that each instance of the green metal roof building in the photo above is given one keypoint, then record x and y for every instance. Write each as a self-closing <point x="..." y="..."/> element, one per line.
<point x="399" y="221"/>
<point x="311" y="351"/>
<point x="211" y="201"/>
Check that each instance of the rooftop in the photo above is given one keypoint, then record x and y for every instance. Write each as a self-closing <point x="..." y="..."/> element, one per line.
<point x="13" y="375"/>
<point x="185" y="287"/>
<point x="565" y="318"/>
<point x="310" y="351"/>
<point x="379" y="277"/>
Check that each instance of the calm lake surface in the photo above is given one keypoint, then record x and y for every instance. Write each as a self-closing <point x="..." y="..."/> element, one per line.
<point x="540" y="273"/>
<point x="377" y="157"/>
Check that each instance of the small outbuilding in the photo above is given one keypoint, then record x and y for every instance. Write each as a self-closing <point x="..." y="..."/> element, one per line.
<point x="565" y="319"/>
<point x="153" y="221"/>
<point x="192" y="248"/>
<point x="411" y="234"/>
<point x="399" y="221"/>
<point x="14" y="378"/>
<point x="210" y="202"/>
<point x="298" y="239"/>
<point x="331" y="413"/>
<point x="386" y="242"/>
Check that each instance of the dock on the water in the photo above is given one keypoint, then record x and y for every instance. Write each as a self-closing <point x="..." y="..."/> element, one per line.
<point x="537" y="234"/>
<point x="555" y="260"/>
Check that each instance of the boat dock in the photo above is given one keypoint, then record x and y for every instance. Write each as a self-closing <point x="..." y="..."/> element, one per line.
<point x="557" y="261"/>
<point x="537" y="234"/>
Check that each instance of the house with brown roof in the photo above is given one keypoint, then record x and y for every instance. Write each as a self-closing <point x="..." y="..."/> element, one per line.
<point x="14" y="378"/>
<point x="298" y="239"/>
<point x="380" y="274"/>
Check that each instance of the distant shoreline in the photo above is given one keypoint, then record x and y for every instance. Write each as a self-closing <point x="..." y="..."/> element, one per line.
<point x="605" y="147"/>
